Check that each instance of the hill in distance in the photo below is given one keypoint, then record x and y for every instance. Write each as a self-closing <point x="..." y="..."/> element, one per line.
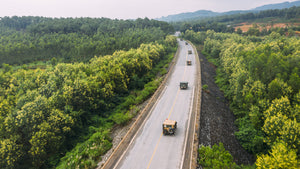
<point x="201" y="14"/>
<point x="278" y="6"/>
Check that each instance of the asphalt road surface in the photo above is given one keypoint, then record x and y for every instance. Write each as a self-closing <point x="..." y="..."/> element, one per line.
<point x="149" y="148"/>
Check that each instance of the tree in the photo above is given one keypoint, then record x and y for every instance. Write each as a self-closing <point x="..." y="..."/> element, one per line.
<point x="10" y="152"/>
<point x="171" y="40"/>
<point x="253" y="31"/>
<point x="251" y="139"/>
<point x="281" y="156"/>
<point x="294" y="82"/>
<point x="280" y="106"/>
<point x="49" y="136"/>
<point x="215" y="157"/>
<point x="278" y="88"/>
<point x="239" y="31"/>
<point x="280" y="127"/>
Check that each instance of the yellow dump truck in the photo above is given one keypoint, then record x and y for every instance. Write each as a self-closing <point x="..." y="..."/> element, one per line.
<point x="169" y="127"/>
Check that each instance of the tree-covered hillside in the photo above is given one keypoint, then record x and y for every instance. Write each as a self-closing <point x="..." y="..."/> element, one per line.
<point x="208" y="15"/>
<point x="28" y="39"/>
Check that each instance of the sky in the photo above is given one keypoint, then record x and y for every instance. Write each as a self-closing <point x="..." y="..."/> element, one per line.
<point x="122" y="9"/>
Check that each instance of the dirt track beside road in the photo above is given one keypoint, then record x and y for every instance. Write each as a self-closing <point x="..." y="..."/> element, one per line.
<point x="216" y="119"/>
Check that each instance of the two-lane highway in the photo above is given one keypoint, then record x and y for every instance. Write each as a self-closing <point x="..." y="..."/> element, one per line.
<point x="150" y="148"/>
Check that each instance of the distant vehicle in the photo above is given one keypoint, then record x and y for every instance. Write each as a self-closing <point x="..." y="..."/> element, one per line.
<point x="189" y="51"/>
<point x="189" y="62"/>
<point x="169" y="127"/>
<point x="183" y="85"/>
<point x="186" y="43"/>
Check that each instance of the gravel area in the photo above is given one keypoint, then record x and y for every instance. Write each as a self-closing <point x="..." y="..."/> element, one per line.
<point x="216" y="119"/>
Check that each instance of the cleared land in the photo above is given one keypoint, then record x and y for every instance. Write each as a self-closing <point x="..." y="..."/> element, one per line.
<point x="245" y="25"/>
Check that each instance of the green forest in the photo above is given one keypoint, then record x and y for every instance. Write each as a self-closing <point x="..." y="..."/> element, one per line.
<point x="92" y="77"/>
<point x="29" y="39"/>
<point x="260" y="76"/>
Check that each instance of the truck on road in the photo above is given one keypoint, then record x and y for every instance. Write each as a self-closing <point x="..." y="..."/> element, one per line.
<point x="189" y="62"/>
<point x="183" y="85"/>
<point x="169" y="127"/>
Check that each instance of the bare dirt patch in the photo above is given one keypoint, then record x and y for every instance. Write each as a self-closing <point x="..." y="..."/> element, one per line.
<point x="216" y="119"/>
<point x="245" y="26"/>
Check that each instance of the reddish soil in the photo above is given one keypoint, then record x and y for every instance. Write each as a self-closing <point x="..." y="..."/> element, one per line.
<point x="245" y="26"/>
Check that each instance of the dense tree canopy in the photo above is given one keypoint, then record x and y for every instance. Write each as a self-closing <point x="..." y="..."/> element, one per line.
<point x="28" y="39"/>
